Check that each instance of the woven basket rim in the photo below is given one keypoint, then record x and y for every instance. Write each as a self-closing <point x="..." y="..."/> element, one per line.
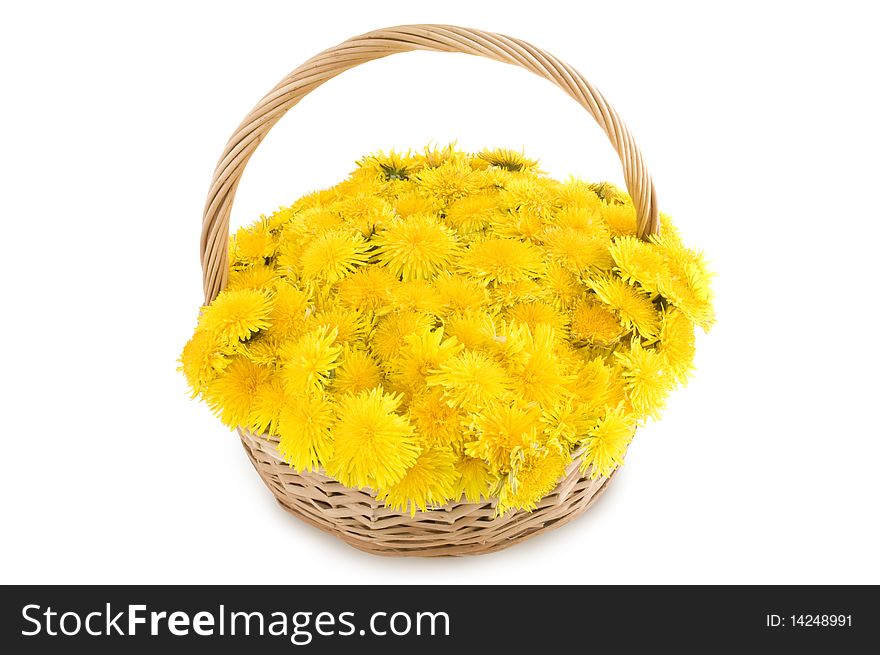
<point x="261" y="440"/>
<point x="457" y="528"/>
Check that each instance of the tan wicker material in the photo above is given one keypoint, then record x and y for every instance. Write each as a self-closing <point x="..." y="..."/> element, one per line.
<point x="355" y="515"/>
<point x="462" y="528"/>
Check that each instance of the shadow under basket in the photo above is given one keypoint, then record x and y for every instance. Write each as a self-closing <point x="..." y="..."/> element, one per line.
<point x="355" y="516"/>
<point x="461" y="528"/>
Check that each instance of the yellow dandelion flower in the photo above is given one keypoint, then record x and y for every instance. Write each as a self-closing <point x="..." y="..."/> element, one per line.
<point x="537" y="313"/>
<point x="415" y="202"/>
<point x="480" y="165"/>
<point x="691" y="265"/>
<point x="512" y="293"/>
<point x="258" y="276"/>
<point x="415" y="248"/>
<point x="368" y="289"/>
<point x="667" y="229"/>
<point x="470" y="379"/>
<point x="520" y="224"/>
<point x="263" y="349"/>
<point x="362" y="181"/>
<point x="287" y="262"/>
<point x="332" y="256"/>
<point x="681" y="294"/>
<point x="269" y="400"/>
<point x="594" y="323"/>
<point x="473" y="213"/>
<point x="256" y="243"/>
<point x="510" y="160"/>
<point x="537" y="374"/>
<point x="677" y="343"/>
<point x="373" y="446"/>
<point x="533" y="477"/>
<point x="348" y="324"/>
<point x="506" y="340"/>
<point x="234" y="260"/>
<point x="648" y="378"/>
<point x="575" y="193"/>
<point x="304" y="425"/>
<point x="431" y="481"/>
<point x="471" y="328"/>
<point x="527" y="195"/>
<point x="495" y="179"/>
<point x="688" y="284"/>
<point x="308" y="361"/>
<point x="202" y="360"/>
<point x="586" y="220"/>
<point x="458" y="293"/>
<point x="638" y="261"/>
<point x="475" y="480"/>
<point x="230" y="395"/>
<point x="610" y="193"/>
<point x="618" y="393"/>
<point x="365" y="213"/>
<point x="634" y="308"/>
<point x="499" y="261"/>
<point x="417" y="295"/>
<point x="501" y="429"/>
<point x="577" y="251"/>
<point x="236" y="315"/>
<point x="309" y="224"/>
<point x="392" y="330"/>
<point x="570" y="356"/>
<point x="393" y="166"/>
<point x="393" y="190"/>
<point x="566" y="421"/>
<point x="606" y="443"/>
<point x="422" y="352"/>
<point x="432" y="157"/>
<point x="593" y="384"/>
<point x="290" y="307"/>
<point x="357" y="372"/>
<point x="563" y="287"/>
<point x="436" y="423"/>
<point x="278" y="220"/>
<point x="321" y="198"/>
<point x="449" y="181"/>
<point x="620" y="218"/>
<point x="550" y="186"/>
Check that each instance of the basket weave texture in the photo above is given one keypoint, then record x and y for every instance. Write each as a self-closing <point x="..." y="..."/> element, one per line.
<point x="356" y="516"/>
<point x="462" y="528"/>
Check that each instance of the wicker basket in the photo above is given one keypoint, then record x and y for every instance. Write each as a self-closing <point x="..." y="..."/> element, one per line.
<point x="355" y="516"/>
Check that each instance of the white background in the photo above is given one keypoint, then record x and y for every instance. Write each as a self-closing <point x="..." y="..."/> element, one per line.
<point x="759" y="123"/>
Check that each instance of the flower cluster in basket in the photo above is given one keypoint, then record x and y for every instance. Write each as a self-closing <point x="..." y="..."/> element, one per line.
<point x="444" y="324"/>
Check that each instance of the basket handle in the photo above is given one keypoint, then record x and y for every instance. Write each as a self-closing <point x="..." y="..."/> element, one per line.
<point x="381" y="43"/>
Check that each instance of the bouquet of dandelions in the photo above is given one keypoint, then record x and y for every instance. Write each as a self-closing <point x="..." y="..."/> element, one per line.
<point x="443" y="324"/>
